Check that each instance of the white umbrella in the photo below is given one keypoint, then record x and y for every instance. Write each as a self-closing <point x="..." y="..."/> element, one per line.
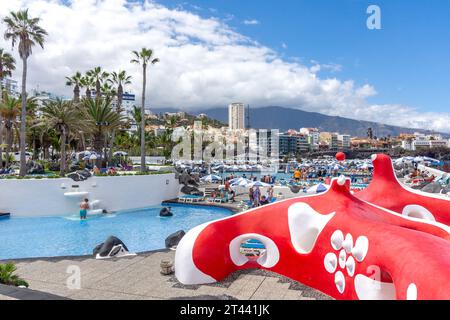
<point x="93" y="157"/>
<point x="317" y="188"/>
<point x="120" y="153"/>
<point x="211" y="178"/>
<point x="242" y="182"/>
<point x="258" y="184"/>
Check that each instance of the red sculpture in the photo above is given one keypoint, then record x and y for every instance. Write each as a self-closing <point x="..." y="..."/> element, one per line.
<point x="333" y="242"/>
<point x="387" y="192"/>
<point x="340" y="156"/>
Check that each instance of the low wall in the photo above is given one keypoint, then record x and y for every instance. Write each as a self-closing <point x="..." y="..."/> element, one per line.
<point x="45" y="197"/>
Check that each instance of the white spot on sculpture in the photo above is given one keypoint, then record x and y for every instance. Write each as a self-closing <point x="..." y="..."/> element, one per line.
<point x="369" y="289"/>
<point x="411" y="292"/>
<point x="185" y="269"/>
<point x="268" y="260"/>
<point x="341" y="180"/>
<point x="336" y="240"/>
<point x="361" y="248"/>
<point x="416" y="211"/>
<point x="348" y="243"/>
<point x="339" y="280"/>
<point x="330" y="262"/>
<point x="373" y="157"/>
<point x="305" y="226"/>
<point x="350" y="266"/>
<point x="342" y="258"/>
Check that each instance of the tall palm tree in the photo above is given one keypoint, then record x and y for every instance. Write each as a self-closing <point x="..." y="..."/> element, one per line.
<point x="7" y="65"/>
<point x="99" y="76"/>
<point x="21" y="28"/>
<point x="101" y="120"/>
<point x="9" y="110"/>
<point x="88" y="83"/>
<point x="143" y="58"/>
<point x="107" y="90"/>
<point x="65" y="118"/>
<point x="120" y="79"/>
<point x="76" y="82"/>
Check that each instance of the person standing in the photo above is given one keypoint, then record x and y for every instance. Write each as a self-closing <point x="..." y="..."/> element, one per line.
<point x="256" y="197"/>
<point x="84" y="206"/>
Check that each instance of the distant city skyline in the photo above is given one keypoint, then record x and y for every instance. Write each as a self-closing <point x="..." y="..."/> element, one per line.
<point x="314" y="55"/>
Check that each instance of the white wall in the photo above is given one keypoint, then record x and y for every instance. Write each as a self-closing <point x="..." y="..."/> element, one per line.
<point x="45" y="197"/>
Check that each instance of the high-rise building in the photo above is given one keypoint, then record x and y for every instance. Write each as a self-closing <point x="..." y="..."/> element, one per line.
<point x="10" y="86"/>
<point x="236" y="116"/>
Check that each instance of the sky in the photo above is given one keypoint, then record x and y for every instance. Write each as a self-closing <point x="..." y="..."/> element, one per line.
<point x="313" y="55"/>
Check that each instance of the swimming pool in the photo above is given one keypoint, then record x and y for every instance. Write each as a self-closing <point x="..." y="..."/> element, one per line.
<point x="141" y="230"/>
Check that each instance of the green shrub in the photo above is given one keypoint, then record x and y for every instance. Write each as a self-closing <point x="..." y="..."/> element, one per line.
<point x="8" y="277"/>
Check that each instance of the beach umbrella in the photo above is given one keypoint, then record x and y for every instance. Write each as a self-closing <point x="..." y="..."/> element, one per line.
<point x="258" y="184"/>
<point x="241" y="182"/>
<point x="211" y="178"/>
<point x="317" y="188"/>
<point x="93" y="157"/>
<point x="120" y="153"/>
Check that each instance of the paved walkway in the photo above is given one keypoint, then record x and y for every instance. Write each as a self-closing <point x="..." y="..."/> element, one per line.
<point x="139" y="278"/>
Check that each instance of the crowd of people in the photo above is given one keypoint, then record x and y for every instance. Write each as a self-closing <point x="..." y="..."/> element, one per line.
<point x="258" y="199"/>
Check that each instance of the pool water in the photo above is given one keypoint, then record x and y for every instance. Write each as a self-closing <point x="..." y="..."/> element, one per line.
<point x="140" y="230"/>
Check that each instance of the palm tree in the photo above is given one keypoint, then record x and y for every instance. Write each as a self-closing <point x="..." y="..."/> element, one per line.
<point x="21" y="28"/>
<point x="101" y="120"/>
<point x="65" y="118"/>
<point x="7" y="65"/>
<point x="143" y="58"/>
<point x="99" y="76"/>
<point x="107" y="90"/>
<point x="77" y="83"/>
<point x="9" y="111"/>
<point x="88" y="83"/>
<point x="120" y="79"/>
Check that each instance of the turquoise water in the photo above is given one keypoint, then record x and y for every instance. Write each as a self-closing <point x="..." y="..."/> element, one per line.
<point x="140" y="230"/>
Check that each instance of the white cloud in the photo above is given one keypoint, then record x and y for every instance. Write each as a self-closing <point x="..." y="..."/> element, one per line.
<point x="251" y="22"/>
<point x="204" y="62"/>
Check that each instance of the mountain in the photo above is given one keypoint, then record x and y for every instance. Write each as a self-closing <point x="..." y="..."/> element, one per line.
<point x="286" y="118"/>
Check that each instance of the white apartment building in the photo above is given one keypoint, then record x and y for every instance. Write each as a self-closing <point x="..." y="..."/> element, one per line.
<point x="236" y="116"/>
<point x="344" y="140"/>
<point x="10" y="86"/>
<point x="425" y="141"/>
<point x="313" y="133"/>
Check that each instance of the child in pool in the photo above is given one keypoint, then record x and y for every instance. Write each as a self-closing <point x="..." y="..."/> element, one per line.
<point x="84" y="206"/>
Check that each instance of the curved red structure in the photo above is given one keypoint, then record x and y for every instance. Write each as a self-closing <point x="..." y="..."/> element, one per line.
<point x="333" y="242"/>
<point x="387" y="192"/>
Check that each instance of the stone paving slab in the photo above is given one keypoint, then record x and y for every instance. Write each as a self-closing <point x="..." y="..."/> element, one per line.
<point x="138" y="277"/>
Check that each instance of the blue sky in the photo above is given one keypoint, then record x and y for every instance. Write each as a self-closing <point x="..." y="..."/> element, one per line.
<point x="315" y="55"/>
<point x="408" y="61"/>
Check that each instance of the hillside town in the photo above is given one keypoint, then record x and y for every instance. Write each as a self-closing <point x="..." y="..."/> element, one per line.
<point x="296" y="142"/>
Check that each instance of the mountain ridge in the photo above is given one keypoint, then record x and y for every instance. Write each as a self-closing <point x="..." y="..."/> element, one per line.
<point x="275" y="117"/>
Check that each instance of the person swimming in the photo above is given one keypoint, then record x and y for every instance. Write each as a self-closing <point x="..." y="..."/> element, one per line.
<point x="84" y="206"/>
